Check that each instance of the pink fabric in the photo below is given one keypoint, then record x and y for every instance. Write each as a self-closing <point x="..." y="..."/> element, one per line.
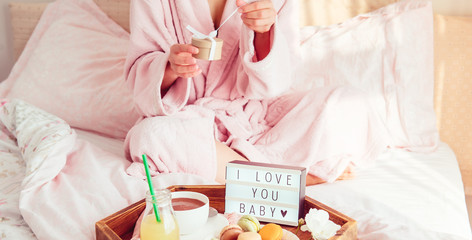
<point x="72" y="67"/>
<point x="68" y="184"/>
<point x="236" y="100"/>
<point x="387" y="53"/>
<point x="153" y="35"/>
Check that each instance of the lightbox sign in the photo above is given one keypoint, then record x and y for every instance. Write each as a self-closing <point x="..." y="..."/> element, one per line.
<point x="271" y="193"/>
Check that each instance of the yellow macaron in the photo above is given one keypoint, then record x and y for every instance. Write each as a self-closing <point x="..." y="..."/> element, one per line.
<point x="271" y="231"/>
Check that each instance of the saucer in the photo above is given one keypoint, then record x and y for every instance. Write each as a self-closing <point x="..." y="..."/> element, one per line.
<point x="211" y="229"/>
<point x="289" y="236"/>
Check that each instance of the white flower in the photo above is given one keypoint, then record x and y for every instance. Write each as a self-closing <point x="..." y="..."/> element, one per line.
<point x="318" y="223"/>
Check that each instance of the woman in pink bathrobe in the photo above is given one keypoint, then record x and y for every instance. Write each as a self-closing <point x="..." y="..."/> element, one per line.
<point x="198" y="114"/>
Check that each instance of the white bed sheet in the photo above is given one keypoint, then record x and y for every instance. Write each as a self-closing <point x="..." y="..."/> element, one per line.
<point x="402" y="192"/>
<point x="403" y="196"/>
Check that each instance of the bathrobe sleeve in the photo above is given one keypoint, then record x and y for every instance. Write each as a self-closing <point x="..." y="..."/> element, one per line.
<point x="271" y="76"/>
<point x="147" y="58"/>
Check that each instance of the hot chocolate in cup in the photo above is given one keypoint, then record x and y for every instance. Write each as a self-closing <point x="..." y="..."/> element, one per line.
<point x="204" y="47"/>
<point x="190" y="210"/>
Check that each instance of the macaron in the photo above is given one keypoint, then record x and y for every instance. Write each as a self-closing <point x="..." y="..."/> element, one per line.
<point x="230" y="232"/>
<point x="249" y="236"/>
<point x="249" y="223"/>
<point x="271" y="231"/>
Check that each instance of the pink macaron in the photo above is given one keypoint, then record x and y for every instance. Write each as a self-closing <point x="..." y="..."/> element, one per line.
<point x="249" y="236"/>
<point x="231" y="232"/>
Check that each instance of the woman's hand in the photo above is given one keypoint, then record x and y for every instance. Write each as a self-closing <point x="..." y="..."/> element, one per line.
<point x="258" y="16"/>
<point x="181" y="61"/>
<point x="181" y="64"/>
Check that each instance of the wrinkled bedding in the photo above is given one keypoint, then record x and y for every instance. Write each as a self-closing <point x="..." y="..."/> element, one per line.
<point x="67" y="182"/>
<point x="53" y="174"/>
<point x="58" y="176"/>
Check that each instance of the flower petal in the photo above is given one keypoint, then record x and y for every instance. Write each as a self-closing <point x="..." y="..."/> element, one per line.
<point x="304" y="228"/>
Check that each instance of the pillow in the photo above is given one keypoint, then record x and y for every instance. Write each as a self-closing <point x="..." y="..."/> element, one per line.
<point x="388" y="54"/>
<point x="72" y="67"/>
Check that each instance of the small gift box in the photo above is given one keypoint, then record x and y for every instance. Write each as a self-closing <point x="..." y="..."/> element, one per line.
<point x="204" y="46"/>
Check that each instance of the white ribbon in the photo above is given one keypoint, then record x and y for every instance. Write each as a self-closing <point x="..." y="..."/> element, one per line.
<point x="212" y="35"/>
<point x="199" y="35"/>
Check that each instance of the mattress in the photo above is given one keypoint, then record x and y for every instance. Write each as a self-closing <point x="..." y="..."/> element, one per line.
<point x="404" y="195"/>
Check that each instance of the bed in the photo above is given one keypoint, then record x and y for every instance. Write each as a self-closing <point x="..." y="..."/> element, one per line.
<point x="62" y="164"/>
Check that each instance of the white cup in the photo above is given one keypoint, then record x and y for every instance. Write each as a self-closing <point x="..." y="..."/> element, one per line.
<point x="192" y="220"/>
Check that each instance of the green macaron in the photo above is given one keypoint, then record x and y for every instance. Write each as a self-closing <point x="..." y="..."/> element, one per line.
<point x="249" y="223"/>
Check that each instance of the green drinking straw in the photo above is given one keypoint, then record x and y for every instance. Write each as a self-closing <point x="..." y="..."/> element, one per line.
<point x="151" y="189"/>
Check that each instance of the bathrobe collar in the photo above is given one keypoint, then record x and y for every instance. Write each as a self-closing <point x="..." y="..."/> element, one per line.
<point x="196" y="13"/>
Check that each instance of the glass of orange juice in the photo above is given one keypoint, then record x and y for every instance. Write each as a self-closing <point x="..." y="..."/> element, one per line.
<point x="167" y="228"/>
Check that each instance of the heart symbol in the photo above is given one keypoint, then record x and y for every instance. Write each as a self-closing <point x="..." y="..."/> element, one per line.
<point x="283" y="212"/>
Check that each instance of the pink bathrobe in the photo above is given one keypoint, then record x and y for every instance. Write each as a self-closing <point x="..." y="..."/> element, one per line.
<point x="243" y="103"/>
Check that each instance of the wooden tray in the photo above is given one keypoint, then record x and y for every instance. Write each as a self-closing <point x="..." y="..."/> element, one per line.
<point x="120" y="225"/>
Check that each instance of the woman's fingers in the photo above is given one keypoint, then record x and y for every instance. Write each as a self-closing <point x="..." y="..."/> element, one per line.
<point x="256" y="6"/>
<point x="182" y="62"/>
<point x="182" y="69"/>
<point x="184" y="59"/>
<point x="189" y="74"/>
<point x="183" y="48"/>
<point x="185" y="70"/>
<point x="258" y="16"/>
<point x="240" y="3"/>
<point x="260" y="24"/>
